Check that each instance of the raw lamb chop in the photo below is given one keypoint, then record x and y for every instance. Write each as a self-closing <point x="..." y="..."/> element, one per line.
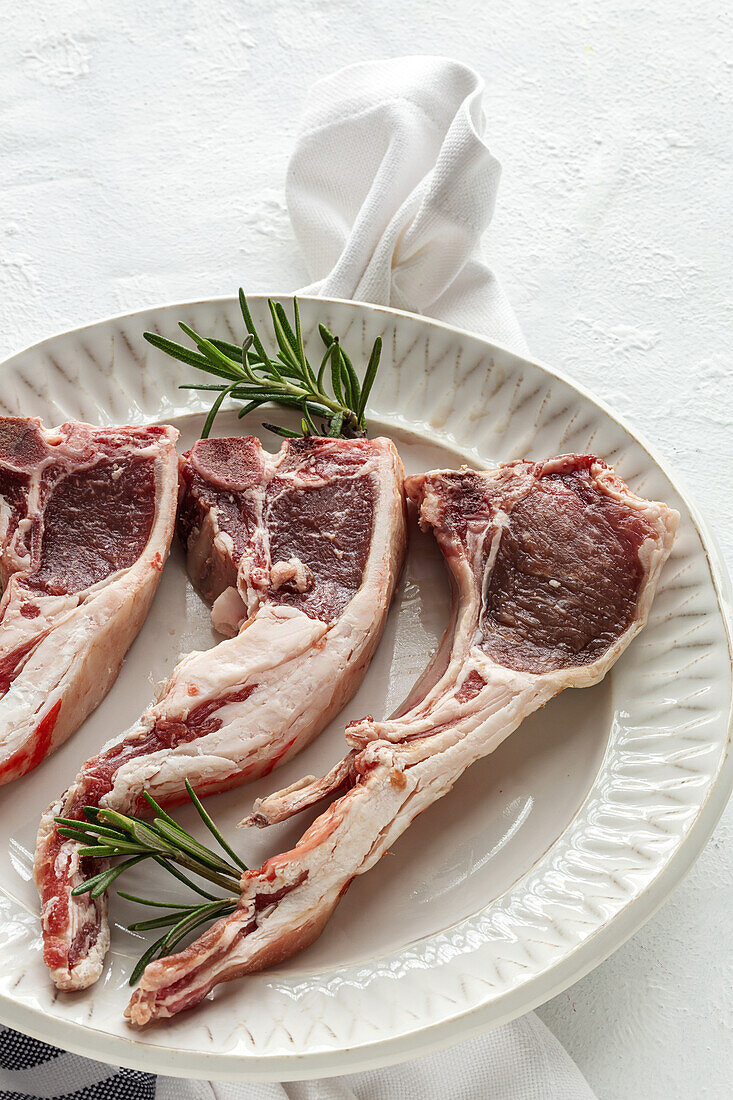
<point x="554" y="567"/>
<point x="301" y="552"/>
<point x="86" y="519"/>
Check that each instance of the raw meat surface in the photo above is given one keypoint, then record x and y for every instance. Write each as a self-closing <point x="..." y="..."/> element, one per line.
<point x="86" y="519"/>
<point x="300" y="553"/>
<point x="568" y="547"/>
<point x="554" y="567"/>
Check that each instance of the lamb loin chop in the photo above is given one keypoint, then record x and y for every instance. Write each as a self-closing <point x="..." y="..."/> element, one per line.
<point x="86" y="519"/>
<point x="554" y="567"/>
<point x="300" y="552"/>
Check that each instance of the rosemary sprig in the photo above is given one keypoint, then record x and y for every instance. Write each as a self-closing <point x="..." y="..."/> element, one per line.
<point x="251" y="375"/>
<point x="105" y="834"/>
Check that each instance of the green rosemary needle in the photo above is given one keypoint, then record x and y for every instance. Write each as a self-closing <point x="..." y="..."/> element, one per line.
<point x="251" y="375"/>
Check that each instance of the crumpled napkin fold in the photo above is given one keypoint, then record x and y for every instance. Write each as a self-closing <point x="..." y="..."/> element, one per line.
<point x="390" y="188"/>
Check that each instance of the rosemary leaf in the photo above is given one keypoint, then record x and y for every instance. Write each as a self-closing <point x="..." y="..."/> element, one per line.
<point x="353" y="382"/>
<point x="80" y="835"/>
<point x="144" y="959"/>
<point x="215" y="832"/>
<point x="157" y="807"/>
<point x="326" y="335"/>
<point x="176" y="351"/>
<point x="287" y="328"/>
<point x="306" y="423"/>
<point x="251" y="406"/>
<point x="334" y="425"/>
<point x="284" y="433"/>
<point x="369" y="376"/>
<point x="251" y="329"/>
<point x="213" y="387"/>
<point x="104" y="851"/>
<point x="287" y="349"/>
<point x="345" y="380"/>
<point x="209" y="423"/>
<point x="301" y="346"/>
<point x="322" y="369"/>
<point x="336" y="371"/>
<point x="155" y="904"/>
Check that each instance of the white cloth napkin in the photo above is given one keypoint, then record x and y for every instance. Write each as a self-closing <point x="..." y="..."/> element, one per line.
<point x="390" y="188"/>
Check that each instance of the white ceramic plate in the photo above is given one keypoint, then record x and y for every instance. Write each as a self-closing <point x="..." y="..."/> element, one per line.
<point x="544" y="858"/>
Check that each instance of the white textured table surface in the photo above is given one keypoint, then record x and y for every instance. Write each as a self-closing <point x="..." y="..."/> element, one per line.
<point x="142" y="157"/>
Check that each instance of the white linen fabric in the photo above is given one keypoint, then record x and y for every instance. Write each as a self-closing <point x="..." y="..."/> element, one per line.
<point x="390" y="188"/>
